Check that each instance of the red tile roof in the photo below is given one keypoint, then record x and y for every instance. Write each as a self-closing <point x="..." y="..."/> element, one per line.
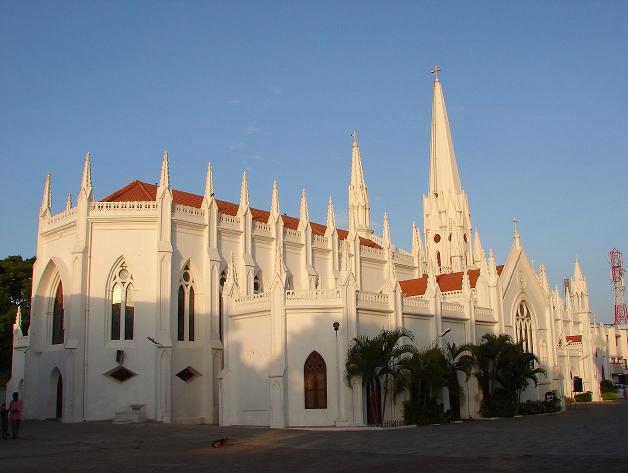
<point x="446" y="282"/>
<point x="574" y="338"/>
<point x="138" y="191"/>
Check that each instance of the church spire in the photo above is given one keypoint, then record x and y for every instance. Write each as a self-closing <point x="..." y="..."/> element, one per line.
<point x="577" y="272"/>
<point x="359" y="210"/>
<point x="443" y="167"/>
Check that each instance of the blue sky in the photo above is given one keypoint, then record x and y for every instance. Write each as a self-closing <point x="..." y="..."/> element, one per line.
<point x="536" y="94"/>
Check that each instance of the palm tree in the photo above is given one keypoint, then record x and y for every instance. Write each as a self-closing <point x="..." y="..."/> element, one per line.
<point x="488" y="358"/>
<point x="374" y="359"/>
<point x="458" y="360"/>
<point x="518" y="369"/>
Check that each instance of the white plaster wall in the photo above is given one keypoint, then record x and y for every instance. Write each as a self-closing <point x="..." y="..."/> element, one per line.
<point x="422" y="328"/>
<point x="249" y="358"/>
<point x="309" y="331"/>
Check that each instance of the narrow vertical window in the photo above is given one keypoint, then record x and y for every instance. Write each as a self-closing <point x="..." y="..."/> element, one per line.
<point x="315" y="382"/>
<point x="438" y="259"/>
<point x="129" y="313"/>
<point x="257" y="284"/>
<point x="116" y="302"/>
<point x="191" y="316"/>
<point x="122" y="321"/>
<point x="185" y="313"/>
<point x="181" y="315"/>
<point x="223" y="280"/>
<point x="57" y="316"/>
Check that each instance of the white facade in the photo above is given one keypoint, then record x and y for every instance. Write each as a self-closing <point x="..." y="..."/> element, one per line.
<point x="158" y="283"/>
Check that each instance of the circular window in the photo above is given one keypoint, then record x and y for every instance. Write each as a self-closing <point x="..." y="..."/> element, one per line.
<point x="186" y="276"/>
<point x="123" y="274"/>
<point x="436" y="238"/>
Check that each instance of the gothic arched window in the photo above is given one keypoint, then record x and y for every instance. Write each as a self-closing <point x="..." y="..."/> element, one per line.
<point x="523" y="327"/>
<point x="122" y="296"/>
<point x="185" y="306"/>
<point x="315" y="382"/>
<point x="57" y="316"/>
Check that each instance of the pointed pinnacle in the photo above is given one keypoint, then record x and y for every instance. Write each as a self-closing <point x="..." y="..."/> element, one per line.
<point x="209" y="182"/>
<point x="244" y="192"/>
<point x="386" y="229"/>
<point x="86" y="181"/>
<point x="274" y="201"/>
<point x="164" y="178"/>
<point x="331" y="215"/>
<point x="46" y="200"/>
<point x="304" y="214"/>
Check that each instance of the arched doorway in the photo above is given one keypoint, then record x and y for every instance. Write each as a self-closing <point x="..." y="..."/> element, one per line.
<point x="55" y="395"/>
<point x="59" y="403"/>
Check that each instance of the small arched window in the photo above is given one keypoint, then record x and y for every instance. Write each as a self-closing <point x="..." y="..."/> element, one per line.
<point x="438" y="259"/>
<point x="290" y="283"/>
<point x="523" y="327"/>
<point x="122" y="296"/>
<point x="185" y="309"/>
<point x="258" y="287"/>
<point x="57" y="316"/>
<point x="315" y="382"/>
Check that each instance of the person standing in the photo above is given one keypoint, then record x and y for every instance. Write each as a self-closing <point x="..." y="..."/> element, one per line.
<point x="16" y="406"/>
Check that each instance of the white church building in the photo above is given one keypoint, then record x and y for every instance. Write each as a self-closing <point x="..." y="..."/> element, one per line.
<point x="179" y="307"/>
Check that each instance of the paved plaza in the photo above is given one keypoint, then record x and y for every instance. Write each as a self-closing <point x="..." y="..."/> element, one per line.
<point x="588" y="438"/>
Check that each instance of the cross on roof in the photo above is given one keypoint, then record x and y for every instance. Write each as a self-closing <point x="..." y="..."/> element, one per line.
<point x="354" y="134"/>
<point x="435" y="71"/>
<point x="515" y="221"/>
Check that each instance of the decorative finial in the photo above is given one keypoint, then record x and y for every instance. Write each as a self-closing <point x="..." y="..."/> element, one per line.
<point x="354" y="135"/>
<point x="435" y="71"/>
<point x="515" y="221"/>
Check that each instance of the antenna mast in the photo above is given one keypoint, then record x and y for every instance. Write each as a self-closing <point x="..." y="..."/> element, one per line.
<point x="615" y="259"/>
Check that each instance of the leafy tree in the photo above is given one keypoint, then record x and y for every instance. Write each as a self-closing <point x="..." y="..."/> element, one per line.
<point x="15" y="290"/>
<point x="377" y="360"/>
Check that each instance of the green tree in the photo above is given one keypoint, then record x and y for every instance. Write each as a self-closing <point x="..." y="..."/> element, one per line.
<point x="377" y="360"/>
<point x="15" y="290"/>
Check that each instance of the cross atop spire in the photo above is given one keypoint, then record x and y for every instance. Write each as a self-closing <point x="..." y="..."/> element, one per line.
<point x="435" y="71"/>
<point x="354" y="135"/>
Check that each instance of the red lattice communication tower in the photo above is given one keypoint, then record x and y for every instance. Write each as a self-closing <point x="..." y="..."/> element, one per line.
<point x="615" y="258"/>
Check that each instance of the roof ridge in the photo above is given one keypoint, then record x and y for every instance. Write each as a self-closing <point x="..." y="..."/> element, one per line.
<point x="144" y="188"/>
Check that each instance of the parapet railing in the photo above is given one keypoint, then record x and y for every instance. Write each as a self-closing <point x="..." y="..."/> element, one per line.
<point x="313" y="294"/>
